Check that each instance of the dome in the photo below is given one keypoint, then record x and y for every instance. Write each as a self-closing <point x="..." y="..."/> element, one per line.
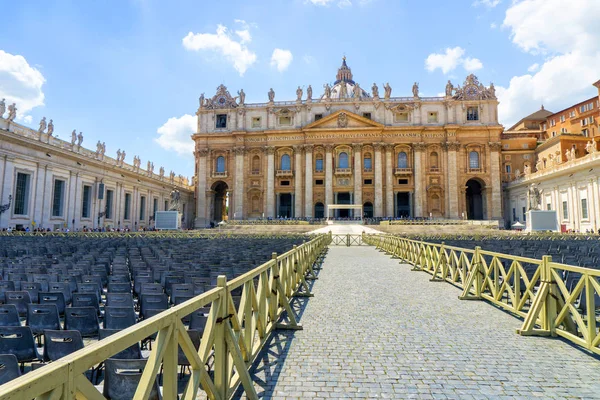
<point x="344" y="81"/>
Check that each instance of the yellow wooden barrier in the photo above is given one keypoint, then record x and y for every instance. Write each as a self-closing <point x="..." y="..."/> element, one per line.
<point x="535" y="290"/>
<point x="233" y="337"/>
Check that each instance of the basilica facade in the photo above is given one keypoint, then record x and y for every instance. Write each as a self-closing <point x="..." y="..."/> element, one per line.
<point x="407" y="156"/>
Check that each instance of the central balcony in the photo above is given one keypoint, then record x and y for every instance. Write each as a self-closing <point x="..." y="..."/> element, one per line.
<point x="219" y="174"/>
<point x="284" y="172"/>
<point x="403" y="171"/>
<point x="343" y="171"/>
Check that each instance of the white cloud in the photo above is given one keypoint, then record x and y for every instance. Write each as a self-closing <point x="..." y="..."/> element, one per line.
<point x="472" y="64"/>
<point x="344" y="3"/>
<point x="20" y="83"/>
<point x="281" y="59"/>
<point x="572" y="47"/>
<point x="493" y="25"/>
<point x="533" y="67"/>
<point x="235" y="52"/>
<point x="486" y="3"/>
<point x="244" y="35"/>
<point x="340" y="3"/>
<point x="28" y="119"/>
<point x="175" y="134"/>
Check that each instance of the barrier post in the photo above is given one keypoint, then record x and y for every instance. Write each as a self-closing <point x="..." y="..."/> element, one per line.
<point x="475" y="278"/>
<point x="221" y="368"/>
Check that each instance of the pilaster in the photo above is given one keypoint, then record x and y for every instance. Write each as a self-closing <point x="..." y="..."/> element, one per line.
<point x="298" y="181"/>
<point x="270" y="182"/>
<point x="357" y="147"/>
<point x="496" y="179"/>
<point x="328" y="175"/>
<point x="418" y="177"/>
<point x="378" y="206"/>
<point x="389" y="181"/>
<point x="308" y="185"/>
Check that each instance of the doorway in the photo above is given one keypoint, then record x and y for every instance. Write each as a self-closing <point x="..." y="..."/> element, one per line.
<point x="403" y="205"/>
<point x="220" y="201"/>
<point x="474" y="199"/>
<point x="343" y="198"/>
<point x="285" y="205"/>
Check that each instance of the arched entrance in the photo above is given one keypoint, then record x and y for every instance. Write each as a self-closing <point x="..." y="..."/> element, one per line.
<point x="319" y="210"/>
<point x="219" y="209"/>
<point x="474" y="199"/>
<point x="368" y="210"/>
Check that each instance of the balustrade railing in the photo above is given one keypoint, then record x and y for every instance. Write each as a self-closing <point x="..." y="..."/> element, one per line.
<point x="233" y="337"/>
<point x="553" y="299"/>
<point x="403" y="171"/>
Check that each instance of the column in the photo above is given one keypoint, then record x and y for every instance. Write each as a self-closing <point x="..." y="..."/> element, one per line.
<point x="47" y="198"/>
<point x="378" y="206"/>
<point x="452" y="172"/>
<point x="298" y="182"/>
<point x="389" y="181"/>
<point x="357" y="147"/>
<point x="496" y="211"/>
<point x="328" y="175"/>
<point x="595" y="199"/>
<point x="270" y="182"/>
<point x="238" y="194"/>
<point x="202" y="219"/>
<point x="417" y="175"/>
<point x="210" y="205"/>
<point x="308" y="184"/>
<point x="7" y="185"/>
<point x="591" y="204"/>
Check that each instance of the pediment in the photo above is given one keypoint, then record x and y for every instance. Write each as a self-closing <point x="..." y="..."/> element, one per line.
<point x="344" y="120"/>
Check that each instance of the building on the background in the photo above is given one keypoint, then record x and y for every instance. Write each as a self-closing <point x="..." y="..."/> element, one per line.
<point x="407" y="156"/>
<point x="564" y="166"/>
<point x="49" y="183"/>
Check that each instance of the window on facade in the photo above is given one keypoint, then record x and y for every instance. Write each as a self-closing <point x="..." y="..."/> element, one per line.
<point x="553" y="133"/>
<point x="87" y="202"/>
<point x="367" y="115"/>
<point x="109" y="204"/>
<point x="285" y="120"/>
<point x="472" y="114"/>
<point x="367" y="162"/>
<point x="343" y="160"/>
<point x="585" y="132"/>
<point x="319" y="163"/>
<point x="548" y="206"/>
<point x="318" y="116"/>
<point x="508" y="168"/>
<point x="584" y="209"/>
<point x="255" y="164"/>
<point x="319" y="182"/>
<point x="524" y="214"/>
<point x="565" y="210"/>
<point x="285" y="183"/>
<point x="572" y="114"/>
<point x="402" y="160"/>
<point x="433" y="160"/>
<point x="368" y="182"/>
<point x="562" y="119"/>
<point x="220" y="164"/>
<point x="221" y="121"/>
<point x="401" y="117"/>
<point x="286" y="163"/>
<point x="563" y="130"/>
<point x="127" y="211"/>
<point x="142" y="208"/>
<point x="256" y="122"/>
<point x="402" y="181"/>
<point x="514" y="214"/>
<point x="553" y="122"/>
<point x="154" y="207"/>
<point x="166" y="205"/>
<point x="58" y="198"/>
<point x="474" y="160"/>
<point x="432" y="117"/>
<point x="21" y="206"/>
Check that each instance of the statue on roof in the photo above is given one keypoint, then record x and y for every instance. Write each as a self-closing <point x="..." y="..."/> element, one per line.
<point x="73" y="137"/>
<point x="50" y="128"/>
<point x="327" y="91"/>
<point x="415" y="90"/>
<point x="375" y="90"/>
<point x="79" y="139"/>
<point x="201" y="100"/>
<point x="43" y="125"/>
<point x="271" y="95"/>
<point x="343" y="90"/>
<point x="299" y="94"/>
<point x="12" y="112"/>
<point x="357" y="91"/>
<point x="2" y="107"/>
<point x="590" y="147"/>
<point x="449" y="88"/>
<point x="388" y="91"/>
<point x="242" y="95"/>
<point x="309" y="93"/>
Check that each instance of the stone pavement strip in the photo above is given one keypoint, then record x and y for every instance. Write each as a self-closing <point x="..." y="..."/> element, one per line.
<point x="376" y="329"/>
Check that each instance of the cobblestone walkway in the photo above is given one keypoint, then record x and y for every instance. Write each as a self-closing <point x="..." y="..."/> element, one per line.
<point x="375" y="329"/>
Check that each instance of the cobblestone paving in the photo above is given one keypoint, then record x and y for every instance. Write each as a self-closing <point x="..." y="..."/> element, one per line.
<point x="375" y="329"/>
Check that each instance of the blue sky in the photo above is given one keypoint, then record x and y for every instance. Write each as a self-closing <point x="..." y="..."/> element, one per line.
<point x="121" y="71"/>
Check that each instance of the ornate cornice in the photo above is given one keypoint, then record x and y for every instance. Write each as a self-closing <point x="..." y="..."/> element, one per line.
<point x="202" y="152"/>
<point x="357" y="147"/>
<point x="378" y="146"/>
<point x="270" y="150"/>
<point x="329" y="148"/>
<point x="308" y="148"/>
<point x="389" y="147"/>
<point x="452" y="146"/>
<point x="297" y="148"/>
<point x="239" y="151"/>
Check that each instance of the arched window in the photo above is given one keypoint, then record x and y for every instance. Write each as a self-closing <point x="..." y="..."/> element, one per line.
<point x="508" y="168"/>
<point x="285" y="163"/>
<point x="433" y="160"/>
<point x="343" y="160"/>
<point x="220" y="164"/>
<point x="402" y="160"/>
<point x="367" y="163"/>
<point x="255" y="164"/>
<point x="474" y="160"/>
<point x="319" y="163"/>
